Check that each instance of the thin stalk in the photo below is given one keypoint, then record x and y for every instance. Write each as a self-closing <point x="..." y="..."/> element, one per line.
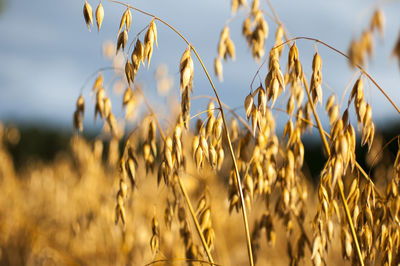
<point x="198" y="114"/>
<point x="196" y="222"/>
<point x="93" y="74"/>
<point x="319" y="125"/>
<point x="342" y="196"/>
<point x="239" y="186"/>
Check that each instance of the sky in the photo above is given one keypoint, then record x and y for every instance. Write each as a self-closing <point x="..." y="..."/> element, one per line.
<point x="47" y="52"/>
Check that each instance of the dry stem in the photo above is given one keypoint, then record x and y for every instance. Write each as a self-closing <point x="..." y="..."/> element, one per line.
<point x="239" y="186"/>
<point x="342" y="196"/>
<point x="182" y="187"/>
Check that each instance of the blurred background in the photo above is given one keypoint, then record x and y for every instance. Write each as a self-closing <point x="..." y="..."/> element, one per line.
<point x="48" y="55"/>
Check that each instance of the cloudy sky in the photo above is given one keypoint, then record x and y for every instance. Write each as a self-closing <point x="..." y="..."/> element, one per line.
<point x="47" y="53"/>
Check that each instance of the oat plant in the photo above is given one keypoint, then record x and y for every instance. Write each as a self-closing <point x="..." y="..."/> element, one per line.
<point x="263" y="173"/>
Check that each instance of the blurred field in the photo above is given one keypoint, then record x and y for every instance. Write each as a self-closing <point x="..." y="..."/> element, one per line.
<point x="61" y="211"/>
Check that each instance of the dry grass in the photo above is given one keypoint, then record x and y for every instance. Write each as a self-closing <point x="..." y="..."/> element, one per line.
<point x="202" y="190"/>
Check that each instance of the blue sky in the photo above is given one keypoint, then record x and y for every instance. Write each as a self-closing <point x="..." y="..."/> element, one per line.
<point x="46" y="51"/>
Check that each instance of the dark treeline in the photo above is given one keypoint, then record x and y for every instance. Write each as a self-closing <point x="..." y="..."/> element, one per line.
<point x="43" y="144"/>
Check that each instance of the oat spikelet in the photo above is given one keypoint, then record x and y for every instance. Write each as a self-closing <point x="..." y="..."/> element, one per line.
<point x="248" y="105"/>
<point x="278" y="39"/>
<point x="246" y="29"/>
<point x="153" y="28"/>
<point x="186" y="83"/>
<point x="88" y="14"/>
<point x="99" y="108"/>
<point x="80" y="104"/>
<point x="122" y="40"/>
<point x="138" y="55"/>
<point x="128" y="19"/>
<point x="149" y="39"/>
<point x="396" y="49"/>
<point x="186" y="69"/>
<point x="274" y="81"/>
<point x="316" y="79"/>
<point x="155" y="238"/>
<point x="234" y="6"/>
<point x="128" y="102"/>
<point x="78" y="114"/>
<point x="218" y="68"/>
<point x="99" y="16"/>
<point x="112" y="123"/>
<point x="226" y="47"/>
<point x="98" y="84"/>
<point x="125" y="20"/>
<point x="378" y="22"/>
<point x="107" y="106"/>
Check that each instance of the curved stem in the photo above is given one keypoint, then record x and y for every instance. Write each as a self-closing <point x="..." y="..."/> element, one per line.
<point x="198" y="114"/>
<point x="348" y="58"/>
<point x="239" y="186"/>
<point x="93" y="74"/>
<point x="182" y="187"/>
<point x="196" y="222"/>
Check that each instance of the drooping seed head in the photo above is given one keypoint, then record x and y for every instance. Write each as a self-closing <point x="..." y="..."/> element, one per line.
<point x="99" y="16"/>
<point x="218" y="69"/>
<point x="80" y="104"/>
<point x="248" y="105"/>
<point x="88" y="14"/>
<point x="122" y="40"/>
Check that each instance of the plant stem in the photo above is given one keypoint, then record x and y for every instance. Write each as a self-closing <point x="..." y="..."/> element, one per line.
<point x="348" y="58"/>
<point x="342" y="196"/>
<point x="239" y="186"/>
<point x="196" y="222"/>
<point x="182" y="187"/>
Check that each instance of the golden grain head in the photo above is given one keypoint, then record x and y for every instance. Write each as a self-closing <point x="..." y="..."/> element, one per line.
<point x="396" y="49"/>
<point x="255" y="6"/>
<point x="122" y="40"/>
<point x="80" y="104"/>
<point x="378" y="21"/>
<point x="88" y="14"/>
<point x="99" y="15"/>
<point x="330" y="102"/>
<point x="125" y="21"/>
<point x="148" y="45"/>
<point x="98" y="84"/>
<point x="248" y="105"/>
<point x="246" y="28"/>
<point x="317" y="62"/>
<point x="128" y="21"/>
<point x="186" y="69"/>
<point x="218" y="69"/>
